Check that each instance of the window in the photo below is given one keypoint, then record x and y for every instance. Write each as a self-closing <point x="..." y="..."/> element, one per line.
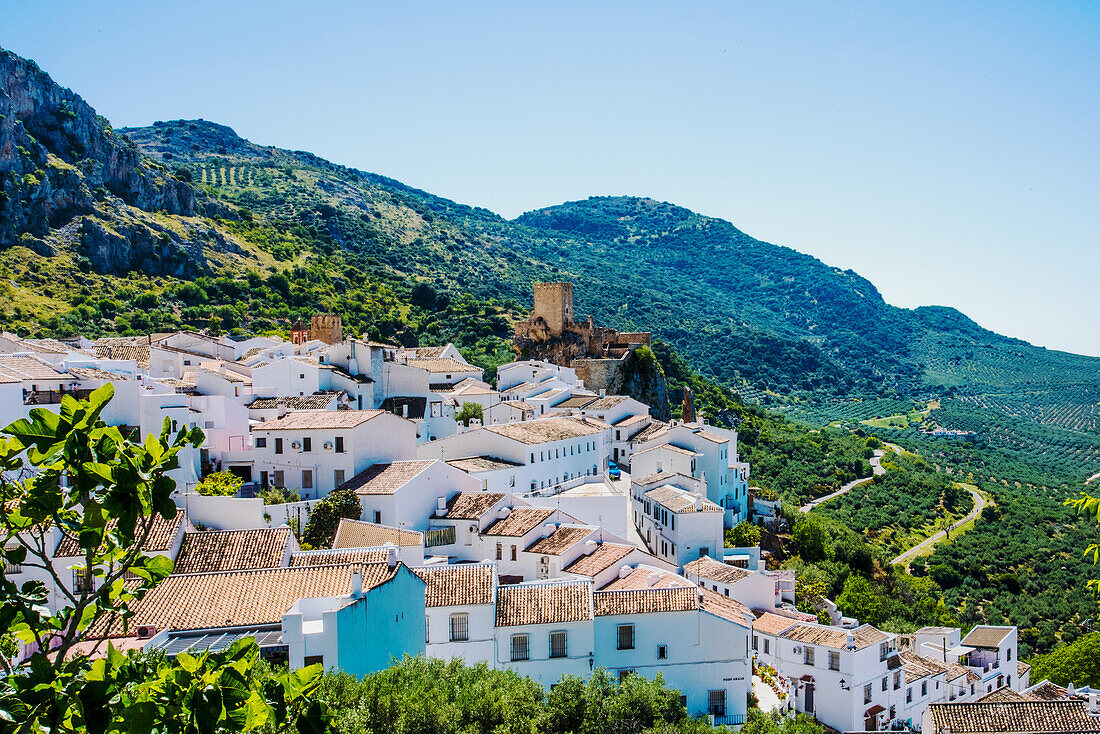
<point x="307" y="443"/>
<point x="1009" y="654"/>
<point x="460" y="628"/>
<point x="261" y="442"/>
<point x="625" y="637"/>
<point x="909" y="695"/>
<point x="301" y="375"/>
<point x="82" y="581"/>
<point x="513" y="553"/>
<point x="716" y="703"/>
<point x="897" y="679"/>
<point x="339" y="444"/>
<point x="704" y="551"/>
<point x="500" y="551"/>
<point x="307" y="479"/>
<point x="559" y="644"/>
<point x="767" y="644"/>
<point x="378" y="517"/>
<point x="883" y="651"/>
<point x="834" y="660"/>
<point x="520" y="647"/>
<point x="807" y="655"/>
<point x="755" y="642"/>
<point x="885" y="685"/>
<point x="662" y="652"/>
<point x="924" y="688"/>
<point x="867" y="693"/>
<point x="278" y="445"/>
<point x="624" y="674"/>
<point x="337" y="477"/>
<point x="278" y="480"/>
<point x="315" y="659"/>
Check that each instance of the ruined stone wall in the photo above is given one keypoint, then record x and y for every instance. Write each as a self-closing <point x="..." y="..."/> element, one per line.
<point x="599" y="374"/>
<point x="634" y="337"/>
<point x="327" y="327"/>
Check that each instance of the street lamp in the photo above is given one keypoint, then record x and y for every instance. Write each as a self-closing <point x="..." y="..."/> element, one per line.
<point x="844" y="684"/>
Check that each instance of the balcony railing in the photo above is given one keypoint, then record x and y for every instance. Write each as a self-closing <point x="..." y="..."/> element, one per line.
<point x="51" y="397"/>
<point x="439" y="536"/>
<point x="728" y="719"/>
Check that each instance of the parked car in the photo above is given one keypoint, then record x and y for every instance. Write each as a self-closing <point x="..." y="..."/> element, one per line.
<point x="613" y="470"/>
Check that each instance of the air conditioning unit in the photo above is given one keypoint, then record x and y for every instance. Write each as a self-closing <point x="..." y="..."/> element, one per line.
<point x="328" y="445"/>
<point x="796" y="650"/>
<point x="296" y="444"/>
<point x="146" y="631"/>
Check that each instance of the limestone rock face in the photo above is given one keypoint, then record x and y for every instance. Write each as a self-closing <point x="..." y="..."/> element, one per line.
<point x="59" y="160"/>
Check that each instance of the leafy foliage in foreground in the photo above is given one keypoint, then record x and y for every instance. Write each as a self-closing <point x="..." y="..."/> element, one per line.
<point x="112" y="494"/>
<point x="1077" y="663"/>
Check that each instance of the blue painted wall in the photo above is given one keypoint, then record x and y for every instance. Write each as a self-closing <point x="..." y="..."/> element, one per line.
<point x="386" y="623"/>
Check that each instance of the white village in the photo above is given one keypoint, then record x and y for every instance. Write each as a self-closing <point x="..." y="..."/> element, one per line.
<point x="534" y="521"/>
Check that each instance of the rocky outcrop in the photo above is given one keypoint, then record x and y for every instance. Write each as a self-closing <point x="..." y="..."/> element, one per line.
<point x="59" y="160"/>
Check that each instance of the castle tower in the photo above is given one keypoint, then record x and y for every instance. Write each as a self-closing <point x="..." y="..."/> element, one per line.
<point x="326" y="327"/>
<point x="554" y="305"/>
<point x="299" y="332"/>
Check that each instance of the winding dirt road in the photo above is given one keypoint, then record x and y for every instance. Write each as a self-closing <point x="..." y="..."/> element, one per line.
<point x="876" y="469"/>
<point x="909" y="555"/>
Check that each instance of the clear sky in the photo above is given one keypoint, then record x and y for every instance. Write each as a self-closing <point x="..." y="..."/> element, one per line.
<point x="949" y="152"/>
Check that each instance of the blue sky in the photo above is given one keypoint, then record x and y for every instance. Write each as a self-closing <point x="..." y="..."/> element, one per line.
<point x="946" y="151"/>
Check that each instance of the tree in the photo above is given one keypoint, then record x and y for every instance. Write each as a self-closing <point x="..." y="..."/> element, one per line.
<point x="1077" y="663"/>
<point x="321" y="529"/>
<point x="1086" y="506"/>
<point x="219" y="484"/>
<point x="809" y="536"/>
<point x="69" y="471"/>
<point x="759" y="722"/>
<point x="860" y="599"/>
<point x="743" y="535"/>
<point x="469" y="411"/>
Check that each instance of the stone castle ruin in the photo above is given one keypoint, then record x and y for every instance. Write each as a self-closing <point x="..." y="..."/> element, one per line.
<point x="601" y="356"/>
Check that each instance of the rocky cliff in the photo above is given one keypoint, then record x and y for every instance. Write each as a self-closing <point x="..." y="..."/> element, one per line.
<point x="68" y="179"/>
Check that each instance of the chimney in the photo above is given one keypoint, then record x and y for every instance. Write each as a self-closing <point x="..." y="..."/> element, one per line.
<point x="654" y="579"/>
<point x="625" y="571"/>
<point x="356" y="580"/>
<point x="548" y="529"/>
<point x="850" y="641"/>
<point x="504" y="512"/>
<point x="590" y="547"/>
<point x="441" y="507"/>
<point x="391" y="557"/>
<point x="660" y="466"/>
<point x="698" y="501"/>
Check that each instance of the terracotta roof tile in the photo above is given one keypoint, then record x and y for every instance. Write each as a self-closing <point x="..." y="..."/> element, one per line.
<point x="317" y="401"/>
<point x="773" y="624"/>
<point x="645" y="601"/>
<point x="520" y="521"/>
<point x="1012" y="716"/>
<point x="306" y="419"/>
<point x="648" y="577"/>
<point x="604" y="557"/>
<point x="679" y="500"/>
<point x="361" y="534"/>
<point x="1047" y="691"/>
<point x="338" y="557"/>
<point x="543" y="603"/>
<point x="232" y="550"/>
<point x="999" y="695"/>
<point x="30" y="368"/>
<point x="445" y="364"/>
<point x="546" y="430"/>
<point x="561" y="540"/>
<point x="473" y="464"/>
<point x="835" y="637"/>
<point x="722" y="606"/>
<point x="458" y="584"/>
<point x="161" y="537"/>
<point x="985" y="636"/>
<point x="383" y="479"/>
<point x="723" y="573"/>
<point x="471" y="505"/>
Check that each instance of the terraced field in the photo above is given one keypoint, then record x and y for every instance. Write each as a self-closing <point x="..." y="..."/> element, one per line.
<point x="847" y="410"/>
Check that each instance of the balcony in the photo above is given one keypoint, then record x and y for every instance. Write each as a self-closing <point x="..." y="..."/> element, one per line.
<point x="52" y="397"/>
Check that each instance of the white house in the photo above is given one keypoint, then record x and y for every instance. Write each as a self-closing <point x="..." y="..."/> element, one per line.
<point x="753" y="588"/>
<point x="316" y="451"/>
<point x="405" y="493"/>
<point x="459" y="602"/>
<point x="674" y="518"/>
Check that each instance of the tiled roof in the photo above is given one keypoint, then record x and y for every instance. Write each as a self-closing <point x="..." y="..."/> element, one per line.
<point x="546" y="430"/>
<point x="607" y="401"/>
<point x="338" y="557"/>
<point x="1022" y="668"/>
<point x="94" y="373"/>
<point x="306" y="419"/>
<point x="458" y="584"/>
<point x="936" y="630"/>
<point x="679" y="500"/>
<point x="380" y="479"/>
<point x="442" y="365"/>
<point x="520" y="521"/>
<point x="117" y="350"/>
<point x="474" y="464"/>
<point x="317" y="401"/>
<point x="658" y="477"/>
<point x="722" y="606"/>
<point x="723" y="573"/>
<point x="604" y="557"/>
<point x="712" y="437"/>
<point x="544" y="603"/>
<point x="471" y="505"/>
<point x="985" y="636"/>
<point x="773" y="624"/>
<point x="649" y="432"/>
<point x="161" y="536"/>
<point x="361" y="534"/>
<point x="428" y="352"/>
<point x="232" y="550"/>
<point x="1047" y="691"/>
<point x="648" y="577"/>
<point x="28" y="367"/>
<point x="815" y="634"/>
<point x="1000" y="695"/>
<point x="42" y="346"/>
<point x="629" y="420"/>
<point x="412" y="407"/>
<point x="645" y="601"/>
<point x="561" y="540"/>
<point x="245" y="598"/>
<point x="669" y="447"/>
<point x="918" y="666"/>
<point x="577" y="401"/>
<point x="1012" y="716"/>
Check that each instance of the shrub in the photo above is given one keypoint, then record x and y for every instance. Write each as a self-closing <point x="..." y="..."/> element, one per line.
<point x="219" y="484"/>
